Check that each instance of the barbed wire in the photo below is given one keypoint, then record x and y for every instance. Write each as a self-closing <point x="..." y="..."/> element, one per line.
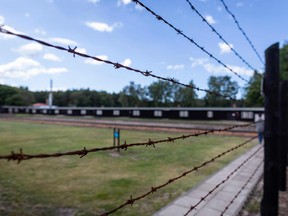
<point x="180" y="32"/>
<point x="116" y="65"/>
<point x="222" y="182"/>
<point x="21" y="156"/>
<point x="132" y="200"/>
<point x="242" y="31"/>
<point x="242" y="188"/>
<point x="219" y="35"/>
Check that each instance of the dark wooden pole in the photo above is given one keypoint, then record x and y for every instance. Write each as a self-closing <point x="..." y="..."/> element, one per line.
<point x="283" y="130"/>
<point x="269" y="204"/>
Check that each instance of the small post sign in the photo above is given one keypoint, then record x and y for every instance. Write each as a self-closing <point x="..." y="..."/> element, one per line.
<point x="116" y="137"/>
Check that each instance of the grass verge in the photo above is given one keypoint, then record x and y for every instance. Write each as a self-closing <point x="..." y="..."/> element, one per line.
<point x="99" y="181"/>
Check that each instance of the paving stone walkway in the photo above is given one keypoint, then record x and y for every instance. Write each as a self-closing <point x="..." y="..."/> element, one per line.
<point x="244" y="180"/>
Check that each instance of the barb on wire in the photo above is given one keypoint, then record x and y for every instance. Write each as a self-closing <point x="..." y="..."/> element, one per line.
<point x="242" y="188"/>
<point x="172" y="180"/>
<point x="242" y="31"/>
<point x="190" y="39"/>
<point x="219" y="35"/>
<point x="83" y="152"/>
<point x="116" y="65"/>
<point x="222" y="182"/>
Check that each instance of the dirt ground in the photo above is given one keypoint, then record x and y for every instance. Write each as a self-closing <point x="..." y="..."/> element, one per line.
<point x="252" y="207"/>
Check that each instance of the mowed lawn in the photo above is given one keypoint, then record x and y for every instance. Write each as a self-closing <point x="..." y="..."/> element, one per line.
<point x="100" y="181"/>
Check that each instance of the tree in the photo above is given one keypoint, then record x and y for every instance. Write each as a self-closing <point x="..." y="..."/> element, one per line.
<point x="106" y="99"/>
<point x="40" y="96"/>
<point x="185" y="96"/>
<point x="224" y="86"/>
<point x="162" y="93"/>
<point x="15" y="96"/>
<point x="26" y="96"/>
<point x="284" y="62"/>
<point x="5" y="93"/>
<point x="253" y="97"/>
<point x="133" y="95"/>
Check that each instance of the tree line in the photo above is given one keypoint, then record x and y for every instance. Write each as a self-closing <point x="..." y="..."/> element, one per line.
<point x="157" y="94"/>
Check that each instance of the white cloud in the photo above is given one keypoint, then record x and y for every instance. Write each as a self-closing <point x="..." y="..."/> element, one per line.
<point x="123" y="2"/>
<point x="224" y="48"/>
<point x="127" y="62"/>
<point x="27" y="14"/>
<point x="81" y="50"/>
<point x="2" y="20"/>
<point x="198" y="61"/>
<point x="39" y="31"/>
<point x="127" y="2"/>
<point x="30" y="49"/>
<point x="218" y="69"/>
<point x="103" y="27"/>
<point x="64" y="41"/>
<point x="25" y="68"/>
<point x="7" y="36"/>
<point x="94" y="62"/>
<point x="222" y="70"/>
<point x="210" y="19"/>
<point x="241" y="70"/>
<point x="94" y="1"/>
<point x="51" y="57"/>
<point x="139" y="7"/>
<point x="175" y="67"/>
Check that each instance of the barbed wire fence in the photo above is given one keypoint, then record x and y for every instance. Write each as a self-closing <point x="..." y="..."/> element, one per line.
<point x="191" y="40"/>
<point x="222" y="182"/>
<point x="21" y="156"/>
<point x="221" y="37"/>
<point x="243" y="187"/>
<point x="242" y="31"/>
<point x="172" y="180"/>
<point x="116" y="65"/>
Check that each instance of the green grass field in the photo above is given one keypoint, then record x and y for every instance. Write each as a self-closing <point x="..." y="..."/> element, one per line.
<point x="99" y="181"/>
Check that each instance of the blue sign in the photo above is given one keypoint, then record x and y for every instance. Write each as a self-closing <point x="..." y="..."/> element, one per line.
<point x="116" y="134"/>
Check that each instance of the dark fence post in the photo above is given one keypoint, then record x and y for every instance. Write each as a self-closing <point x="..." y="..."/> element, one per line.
<point x="116" y="138"/>
<point x="269" y="204"/>
<point x="283" y="136"/>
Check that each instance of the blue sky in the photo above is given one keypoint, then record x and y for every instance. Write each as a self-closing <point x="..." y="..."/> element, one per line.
<point x="121" y="31"/>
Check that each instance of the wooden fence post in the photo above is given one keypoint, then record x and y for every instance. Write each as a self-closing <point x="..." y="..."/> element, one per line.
<point x="283" y="130"/>
<point x="269" y="204"/>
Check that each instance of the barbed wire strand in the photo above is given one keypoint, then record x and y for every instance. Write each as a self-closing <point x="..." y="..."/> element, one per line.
<point x="21" y="156"/>
<point x="219" y="35"/>
<point x="222" y="182"/>
<point x="172" y="180"/>
<point x="116" y="65"/>
<point x="190" y="39"/>
<point x="242" y="188"/>
<point x="242" y="31"/>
